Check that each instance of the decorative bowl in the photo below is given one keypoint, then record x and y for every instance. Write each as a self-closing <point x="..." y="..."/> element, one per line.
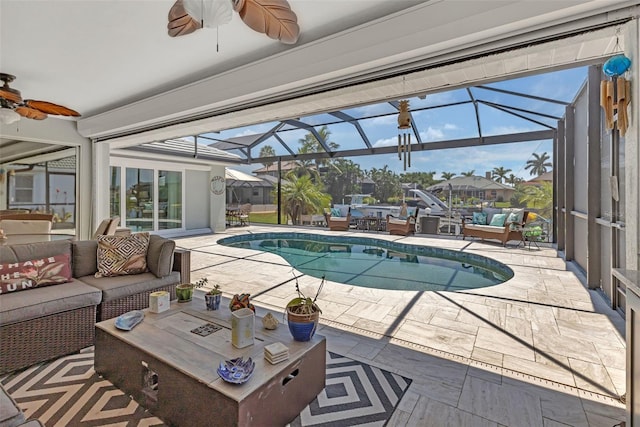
<point x="236" y="371"/>
<point x="129" y="320"/>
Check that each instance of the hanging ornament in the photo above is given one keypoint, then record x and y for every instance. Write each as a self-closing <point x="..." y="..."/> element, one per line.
<point x="404" y="133"/>
<point x="616" y="65"/>
<point x="615" y="93"/>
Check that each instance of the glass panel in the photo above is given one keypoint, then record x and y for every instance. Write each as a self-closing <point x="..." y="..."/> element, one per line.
<point x="169" y="200"/>
<point x="139" y="184"/>
<point x="62" y="199"/>
<point x="114" y="191"/>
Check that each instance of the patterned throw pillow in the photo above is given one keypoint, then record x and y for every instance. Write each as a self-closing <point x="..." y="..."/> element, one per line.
<point x="498" y="220"/>
<point x="37" y="273"/>
<point x="515" y="219"/>
<point x="122" y="255"/>
<point x="479" y="218"/>
<point x="335" y="212"/>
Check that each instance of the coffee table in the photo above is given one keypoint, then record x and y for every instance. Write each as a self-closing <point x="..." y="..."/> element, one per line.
<point x="172" y="371"/>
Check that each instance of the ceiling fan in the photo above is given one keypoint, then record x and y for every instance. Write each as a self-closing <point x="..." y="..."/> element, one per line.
<point x="12" y="106"/>
<point x="271" y="17"/>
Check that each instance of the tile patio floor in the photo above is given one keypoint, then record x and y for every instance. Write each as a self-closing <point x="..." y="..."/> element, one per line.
<point x="537" y="350"/>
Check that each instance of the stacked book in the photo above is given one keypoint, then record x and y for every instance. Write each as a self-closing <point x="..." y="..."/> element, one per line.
<point x="276" y="353"/>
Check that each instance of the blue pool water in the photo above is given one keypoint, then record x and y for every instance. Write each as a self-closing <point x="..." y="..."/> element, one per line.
<point x="375" y="263"/>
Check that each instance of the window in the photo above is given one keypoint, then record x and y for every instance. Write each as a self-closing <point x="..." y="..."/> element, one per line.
<point x="139" y="193"/>
<point x="23" y="189"/>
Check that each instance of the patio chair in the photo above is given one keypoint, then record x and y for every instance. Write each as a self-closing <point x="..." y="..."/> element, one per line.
<point x="402" y="227"/>
<point x="243" y="214"/>
<point x="107" y="227"/>
<point x="338" y="223"/>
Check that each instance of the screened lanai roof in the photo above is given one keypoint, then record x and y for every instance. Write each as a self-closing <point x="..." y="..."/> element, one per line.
<point x="524" y="108"/>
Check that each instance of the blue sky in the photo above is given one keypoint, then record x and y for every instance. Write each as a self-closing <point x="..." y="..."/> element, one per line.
<point x="448" y="123"/>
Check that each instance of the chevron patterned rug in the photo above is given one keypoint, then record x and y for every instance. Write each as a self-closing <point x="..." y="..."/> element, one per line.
<point x="67" y="392"/>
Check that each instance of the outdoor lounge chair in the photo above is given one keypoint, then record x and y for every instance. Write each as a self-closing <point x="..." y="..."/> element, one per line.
<point x="338" y="223"/>
<point x="402" y="227"/>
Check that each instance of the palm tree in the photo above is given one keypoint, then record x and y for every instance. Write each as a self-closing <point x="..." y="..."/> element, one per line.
<point x="448" y="175"/>
<point x="469" y="173"/>
<point x="300" y="195"/>
<point x="267" y="151"/>
<point x="539" y="197"/>
<point x="310" y="144"/>
<point x="499" y="173"/>
<point x="538" y="164"/>
<point x="513" y="180"/>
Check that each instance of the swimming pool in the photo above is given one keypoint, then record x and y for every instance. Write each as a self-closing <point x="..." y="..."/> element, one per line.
<point x="376" y="263"/>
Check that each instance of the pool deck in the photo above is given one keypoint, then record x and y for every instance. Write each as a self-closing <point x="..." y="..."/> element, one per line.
<point x="537" y="350"/>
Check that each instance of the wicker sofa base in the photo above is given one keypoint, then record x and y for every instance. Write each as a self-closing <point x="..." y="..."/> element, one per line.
<point x="504" y="235"/>
<point x="36" y="340"/>
<point x="140" y="301"/>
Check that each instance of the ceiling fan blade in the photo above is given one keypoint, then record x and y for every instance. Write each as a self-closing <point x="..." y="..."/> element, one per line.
<point x="11" y="95"/>
<point x="180" y="22"/>
<point x="30" y="113"/>
<point x="51" y="108"/>
<point x="271" y="17"/>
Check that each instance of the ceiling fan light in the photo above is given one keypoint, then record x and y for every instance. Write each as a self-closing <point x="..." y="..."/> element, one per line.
<point x="211" y="13"/>
<point x="8" y="116"/>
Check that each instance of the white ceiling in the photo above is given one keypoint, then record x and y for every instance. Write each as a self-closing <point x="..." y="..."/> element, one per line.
<point x="100" y="54"/>
<point x="113" y="61"/>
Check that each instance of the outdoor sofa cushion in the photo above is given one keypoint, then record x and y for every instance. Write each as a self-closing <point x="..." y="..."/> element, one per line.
<point x="117" y="287"/>
<point x="22" y="306"/>
<point x="488" y="228"/>
<point x="159" y="256"/>
<point x="498" y="220"/>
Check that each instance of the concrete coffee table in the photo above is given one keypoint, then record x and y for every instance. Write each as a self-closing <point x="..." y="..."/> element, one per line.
<point x="172" y="371"/>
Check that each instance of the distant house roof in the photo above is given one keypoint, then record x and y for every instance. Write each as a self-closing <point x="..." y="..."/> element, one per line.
<point x="285" y="166"/>
<point x="235" y="178"/>
<point x="469" y="183"/>
<point x="547" y="176"/>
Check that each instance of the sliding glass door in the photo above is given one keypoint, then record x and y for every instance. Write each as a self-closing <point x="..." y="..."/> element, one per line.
<point x="147" y="199"/>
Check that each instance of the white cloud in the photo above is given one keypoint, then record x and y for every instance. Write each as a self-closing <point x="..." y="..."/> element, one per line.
<point x="386" y="142"/>
<point x="502" y="130"/>
<point x="245" y="132"/>
<point x="450" y="126"/>
<point x="432" y="134"/>
<point x="385" y="120"/>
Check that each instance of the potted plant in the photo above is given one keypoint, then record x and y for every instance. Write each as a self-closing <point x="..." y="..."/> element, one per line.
<point x="212" y="297"/>
<point x="184" y="291"/>
<point x="303" y="314"/>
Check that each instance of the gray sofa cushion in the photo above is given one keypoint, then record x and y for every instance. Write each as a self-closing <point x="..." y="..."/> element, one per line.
<point x="85" y="257"/>
<point x="7" y="255"/>
<point x="117" y="287"/>
<point x="29" y="251"/>
<point x="160" y="255"/>
<point x="34" y="303"/>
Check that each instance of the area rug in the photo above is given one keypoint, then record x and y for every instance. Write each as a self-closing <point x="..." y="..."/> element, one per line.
<point x="67" y="392"/>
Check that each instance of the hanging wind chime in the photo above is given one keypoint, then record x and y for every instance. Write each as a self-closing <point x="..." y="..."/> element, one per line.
<point x="615" y="93"/>
<point x="404" y="133"/>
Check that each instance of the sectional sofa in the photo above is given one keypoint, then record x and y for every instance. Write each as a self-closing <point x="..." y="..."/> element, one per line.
<point x="43" y="323"/>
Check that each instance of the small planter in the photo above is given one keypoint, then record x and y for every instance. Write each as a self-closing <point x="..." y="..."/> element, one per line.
<point x="184" y="292"/>
<point x="302" y="326"/>
<point x="212" y="301"/>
